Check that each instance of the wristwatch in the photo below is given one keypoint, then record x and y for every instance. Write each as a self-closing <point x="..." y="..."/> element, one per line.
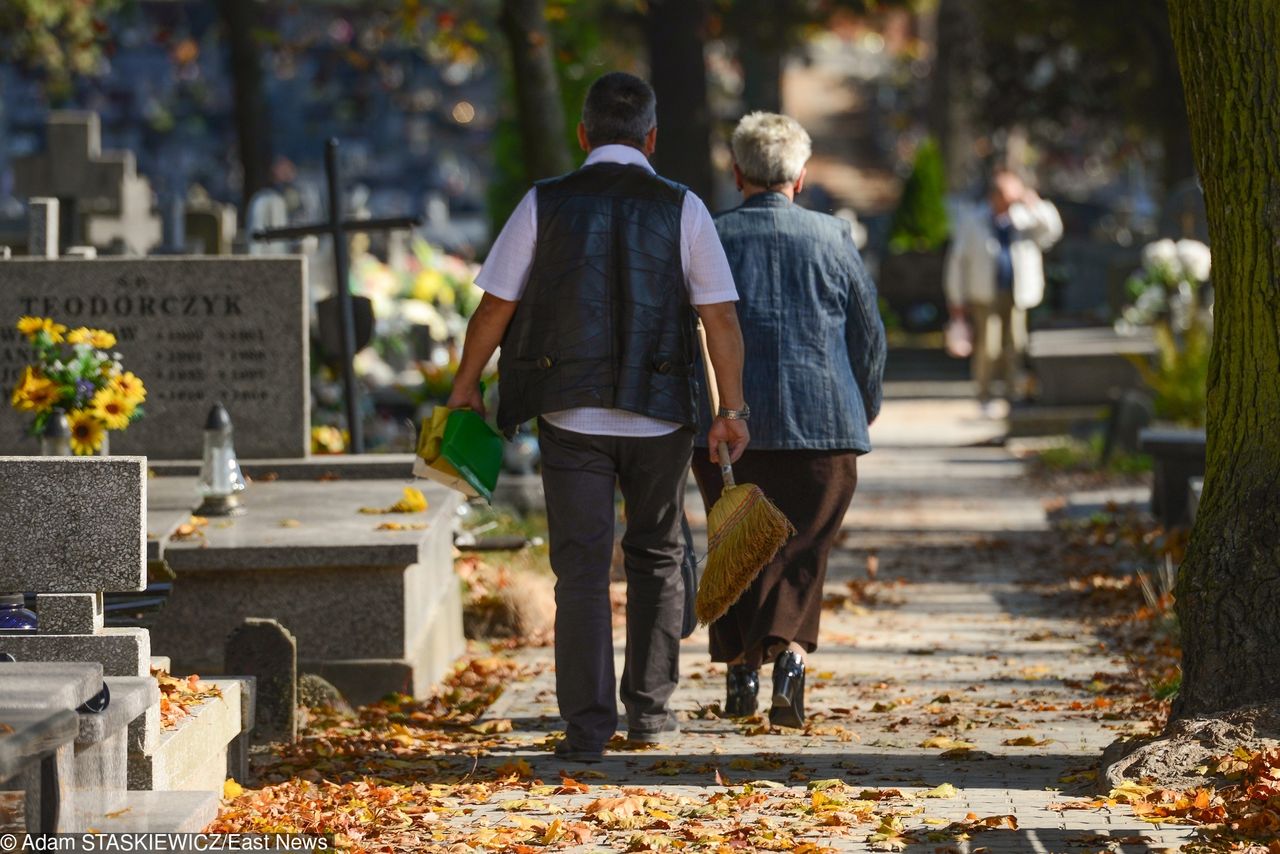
<point x="743" y="414"/>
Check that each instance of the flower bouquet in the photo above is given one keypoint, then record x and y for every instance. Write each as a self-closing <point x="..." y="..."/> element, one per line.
<point x="1172" y="297"/>
<point x="76" y="372"/>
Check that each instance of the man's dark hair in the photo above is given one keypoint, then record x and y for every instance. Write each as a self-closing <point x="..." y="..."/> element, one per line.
<point x="620" y="107"/>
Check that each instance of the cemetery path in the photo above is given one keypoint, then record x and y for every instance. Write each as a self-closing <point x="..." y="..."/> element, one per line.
<point x="955" y="666"/>
<point x="959" y="703"/>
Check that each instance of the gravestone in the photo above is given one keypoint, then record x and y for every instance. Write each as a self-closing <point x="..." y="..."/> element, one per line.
<point x="1183" y="213"/>
<point x="195" y="330"/>
<point x="1086" y="366"/>
<point x="266" y="650"/>
<point x="102" y="196"/>
<point x="210" y="226"/>
<point x="130" y="229"/>
<point x="267" y="210"/>
<point x="73" y="527"/>
<point x="42" y="228"/>
<point x="1131" y="412"/>
<point x="1178" y="457"/>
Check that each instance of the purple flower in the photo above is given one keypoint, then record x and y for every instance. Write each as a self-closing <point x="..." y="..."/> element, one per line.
<point x="84" y="391"/>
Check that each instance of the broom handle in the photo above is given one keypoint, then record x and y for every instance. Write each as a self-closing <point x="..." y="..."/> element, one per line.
<point x="713" y="394"/>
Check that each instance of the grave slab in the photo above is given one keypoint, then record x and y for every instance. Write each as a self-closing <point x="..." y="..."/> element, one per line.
<point x="69" y="613"/>
<point x="73" y="524"/>
<point x="372" y="610"/>
<point x="124" y="651"/>
<point x="196" y="330"/>
<point x="193" y="756"/>
<point x="1086" y="366"/>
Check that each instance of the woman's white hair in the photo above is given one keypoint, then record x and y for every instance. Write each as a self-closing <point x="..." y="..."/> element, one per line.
<point x="770" y="149"/>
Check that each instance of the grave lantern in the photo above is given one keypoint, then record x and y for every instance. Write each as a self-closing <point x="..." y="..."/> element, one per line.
<point x="220" y="477"/>
<point x="55" y="441"/>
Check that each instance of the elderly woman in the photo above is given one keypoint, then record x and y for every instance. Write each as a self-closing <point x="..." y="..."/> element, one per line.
<point x="815" y="359"/>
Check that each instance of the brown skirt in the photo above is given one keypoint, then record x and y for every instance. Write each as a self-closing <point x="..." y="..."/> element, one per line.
<point x="784" y="604"/>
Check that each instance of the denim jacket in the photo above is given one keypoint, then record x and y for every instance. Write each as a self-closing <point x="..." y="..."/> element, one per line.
<point x="815" y="345"/>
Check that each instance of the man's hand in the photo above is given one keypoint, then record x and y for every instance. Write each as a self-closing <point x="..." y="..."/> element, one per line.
<point x="733" y="432"/>
<point x="466" y="396"/>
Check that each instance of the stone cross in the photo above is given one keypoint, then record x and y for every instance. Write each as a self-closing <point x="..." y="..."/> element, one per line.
<point x="337" y="230"/>
<point x="89" y="183"/>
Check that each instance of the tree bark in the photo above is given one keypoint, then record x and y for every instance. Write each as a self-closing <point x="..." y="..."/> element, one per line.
<point x="1228" y="594"/>
<point x="762" y="29"/>
<point x="253" y="131"/>
<point x="678" y="72"/>
<point x="953" y="102"/>
<point x="539" y="111"/>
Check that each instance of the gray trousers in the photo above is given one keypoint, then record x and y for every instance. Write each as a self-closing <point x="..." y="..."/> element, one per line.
<point x="579" y="473"/>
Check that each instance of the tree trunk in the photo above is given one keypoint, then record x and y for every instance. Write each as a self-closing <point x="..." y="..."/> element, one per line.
<point x="953" y="102"/>
<point x="678" y="73"/>
<point x="253" y="131"/>
<point x="762" y="31"/>
<point x="539" y="111"/>
<point x="1228" y="594"/>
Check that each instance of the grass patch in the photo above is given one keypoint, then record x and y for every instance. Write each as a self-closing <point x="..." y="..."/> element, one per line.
<point x="1074" y="456"/>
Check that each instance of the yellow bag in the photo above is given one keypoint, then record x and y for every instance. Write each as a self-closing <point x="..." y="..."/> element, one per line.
<point x="459" y="450"/>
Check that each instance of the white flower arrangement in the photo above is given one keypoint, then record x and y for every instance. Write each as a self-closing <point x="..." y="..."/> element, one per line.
<point x="1170" y="286"/>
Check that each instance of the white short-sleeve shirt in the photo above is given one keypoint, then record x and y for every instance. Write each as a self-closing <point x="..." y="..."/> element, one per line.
<point x="706" y="270"/>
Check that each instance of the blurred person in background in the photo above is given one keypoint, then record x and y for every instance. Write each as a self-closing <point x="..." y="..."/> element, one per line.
<point x="995" y="274"/>
<point x="808" y="309"/>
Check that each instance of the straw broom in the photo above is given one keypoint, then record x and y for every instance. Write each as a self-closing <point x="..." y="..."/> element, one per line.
<point x="744" y="529"/>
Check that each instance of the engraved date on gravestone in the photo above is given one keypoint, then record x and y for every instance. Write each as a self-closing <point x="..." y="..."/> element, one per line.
<point x="196" y="330"/>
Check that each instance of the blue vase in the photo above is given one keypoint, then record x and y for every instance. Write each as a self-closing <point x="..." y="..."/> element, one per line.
<point x="15" y="617"/>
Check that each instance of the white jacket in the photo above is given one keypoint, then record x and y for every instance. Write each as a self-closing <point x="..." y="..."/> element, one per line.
<point x="971" y="260"/>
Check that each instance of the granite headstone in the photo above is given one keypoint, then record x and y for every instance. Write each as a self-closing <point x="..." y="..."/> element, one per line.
<point x="73" y="525"/>
<point x="195" y="330"/>
<point x="266" y="650"/>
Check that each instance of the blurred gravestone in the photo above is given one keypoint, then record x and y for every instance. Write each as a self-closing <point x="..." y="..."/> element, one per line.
<point x="103" y="199"/>
<point x="1183" y="214"/>
<point x="268" y="651"/>
<point x="1131" y="412"/>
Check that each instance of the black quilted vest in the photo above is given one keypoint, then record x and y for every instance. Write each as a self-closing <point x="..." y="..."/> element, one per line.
<point x="605" y="320"/>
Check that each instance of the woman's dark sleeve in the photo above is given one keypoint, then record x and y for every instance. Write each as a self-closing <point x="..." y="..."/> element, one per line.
<point x="864" y="333"/>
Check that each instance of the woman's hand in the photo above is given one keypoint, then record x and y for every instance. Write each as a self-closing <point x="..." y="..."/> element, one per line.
<point x="732" y="432"/>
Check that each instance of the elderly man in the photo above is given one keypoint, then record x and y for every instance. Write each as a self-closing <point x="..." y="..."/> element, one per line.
<point x="591" y="291"/>
<point x="995" y="274"/>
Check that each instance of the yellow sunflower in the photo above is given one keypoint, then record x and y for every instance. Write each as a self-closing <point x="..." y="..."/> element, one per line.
<point x="87" y="432"/>
<point x="34" y="393"/>
<point x="111" y="408"/>
<point x="33" y="326"/>
<point x="130" y="387"/>
<point x="100" y="339"/>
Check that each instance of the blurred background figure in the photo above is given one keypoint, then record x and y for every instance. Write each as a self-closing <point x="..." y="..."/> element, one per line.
<point x="995" y="274"/>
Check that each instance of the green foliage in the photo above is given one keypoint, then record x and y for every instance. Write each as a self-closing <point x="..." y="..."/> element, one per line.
<point x="920" y="222"/>
<point x="892" y="322"/>
<point x="62" y="38"/>
<point x="576" y="32"/>
<point x="1179" y="376"/>
<point x="1075" y="456"/>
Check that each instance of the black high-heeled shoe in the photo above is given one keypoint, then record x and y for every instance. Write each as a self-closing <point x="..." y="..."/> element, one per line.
<point x="742" y="689"/>
<point x="788" y="690"/>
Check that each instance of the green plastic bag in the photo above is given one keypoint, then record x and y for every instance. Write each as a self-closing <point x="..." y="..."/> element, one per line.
<point x="458" y="449"/>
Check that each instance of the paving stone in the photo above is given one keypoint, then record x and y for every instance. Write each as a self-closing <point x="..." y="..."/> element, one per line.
<point x="953" y="627"/>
